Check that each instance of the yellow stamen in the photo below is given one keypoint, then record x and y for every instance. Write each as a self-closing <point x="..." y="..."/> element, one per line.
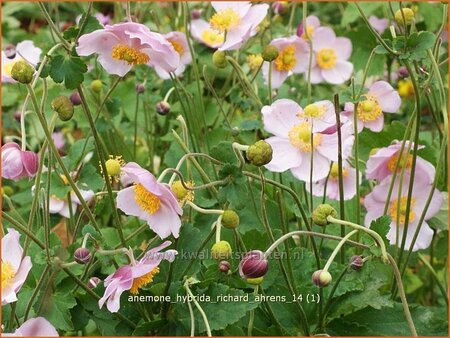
<point x="300" y="137"/>
<point x="225" y="20"/>
<point x="405" y="162"/>
<point x="129" y="54"/>
<point x="369" y="109"/>
<point x="334" y="171"/>
<point x="177" y="46"/>
<point x="326" y="58"/>
<point x="286" y="60"/>
<point x="146" y="200"/>
<point x="212" y="37"/>
<point x="402" y="212"/>
<point x="140" y="282"/>
<point x="254" y="61"/>
<point x="8" y="274"/>
<point x="313" y="110"/>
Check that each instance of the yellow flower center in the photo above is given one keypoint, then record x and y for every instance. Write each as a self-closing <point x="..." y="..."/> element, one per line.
<point x="140" y="282"/>
<point x="326" y="58"/>
<point x="146" y="200"/>
<point x="300" y="137"/>
<point x="310" y="31"/>
<point x="225" y="20"/>
<point x="313" y="110"/>
<point x="129" y="54"/>
<point x="212" y="37"/>
<point x="400" y="207"/>
<point x="8" y="274"/>
<point x="334" y="171"/>
<point x="254" y="61"/>
<point x="177" y="46"/>
<point x="405" y="88"/>
<point x="7" y="68"/>
<point x="286" y="60"/>
<point x="405" y="162"/>
<point x="369" y="109"/>
<point x="113" y="167"/>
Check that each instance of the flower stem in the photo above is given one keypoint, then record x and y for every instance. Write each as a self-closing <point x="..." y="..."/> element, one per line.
<point x="199" y="308"/>
<point x="337" y="249"/>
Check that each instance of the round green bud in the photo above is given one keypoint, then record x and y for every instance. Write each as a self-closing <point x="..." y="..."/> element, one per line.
<point x="221" y="250"/>
<point x="179" y="190"/>
<point x="63" y="106"/>
<point x="255" y="281"/>
<point x="96" y="86"/>
<point x="219" y="59"/>
<point x="22" y="72"/>
<point x="408" y="13"/>
<point x="321" y="278"/>
<point x="321" y="212"/>
<point x="230" y="219"/>
<point x="259" y="153"/>
<point x="270" y="53"/>
<point x="7" y="190"/>
<point x="113" y="167"/>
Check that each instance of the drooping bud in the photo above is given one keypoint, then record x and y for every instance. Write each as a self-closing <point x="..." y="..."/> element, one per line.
<point x="408" y="13"/>
<point x="270" y="53"/>
<point x="22" y="72"/>
<point x="140" y="88"/>
<point x="321" y="278"/>
<point x="253" y="265"/>
<point x="321" y="212"/>
<point x="96" y="86"/>
<point x="10" y="51"/>
<point x="63" y="106"/>
<point x="221" y="250"/>
<point x="93" y="282"/>
<point x="259" y="153"/>
<point x="219" y="59"/>
<point x="196" y="14"/>
<point x="224" y="266"/>
<point x="356" y="262"/>
<point x="82" y="256"/>
<point x="163" y="108"/>
<point x="17" y="163"/>
<point x="75" y="99"/>
<point x="300" y="29"/>
<point x="230" y="219"/>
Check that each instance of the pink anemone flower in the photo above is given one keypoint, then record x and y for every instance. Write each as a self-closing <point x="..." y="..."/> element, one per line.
<point x="34" y="327"/>
<point x="382" y="164"/>
<point x="238" y="20"/>
<point x="150" y="201"/>
<point x="123" y="45"/>
<point x="379" y="25"/>
<point x="293" y="58"/>
<point x="382" y="97"/>
<point x="134" y="276"/>
<point x="296" y="140"/>
<point x="203" y="33"/>
<point x="18" y="163"/>
<point x="312" y="23"/>
<point x="375" y="201"/>
<point x="61" y="205"/>
<point x="332" y="185"/>
<point x="180" y="44"/>
<point x="331" y="55"/>
<point x="15" y="269"/>
<point x="25" y="50"/>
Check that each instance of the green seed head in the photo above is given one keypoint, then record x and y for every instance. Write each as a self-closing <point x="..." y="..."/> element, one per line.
<point x="221" y="250"/>
<point x="22" y="72"/>
<point x="63" y="106"/>
<point x="269" y="53"/>
<point x="321" y="212"/>
<point x="230" y="219"/>
<point x="219" y="59"/>
<point x="259" y="153"/>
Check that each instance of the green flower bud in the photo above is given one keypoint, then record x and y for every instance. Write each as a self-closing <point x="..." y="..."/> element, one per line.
<point x="321" y="212"/>
<point x="230" y="219"/>
<point x="407" y="12"/>
<point x="113" y="167"/>
<point x="22" y="72"/>
<point x="63" y="106"/>
<point x="221" y="250"/>
<point x="259" y="153"/>
<point x="7" y="190"/>
<point x="96" y="86"/>
<point x="269" y="53"/>
<point x="179" y="190"/>
<point x="321" y="278"/>
<point x="219" y="59"/>
<point x="255" y="281"/>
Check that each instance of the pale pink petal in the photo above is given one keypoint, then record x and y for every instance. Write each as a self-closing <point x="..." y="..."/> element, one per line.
<point x="376" y="125"/>
<point x="99" y="41"/>
<point x="387" y="97"/>
<point x="321" y="166"/>
<point x="280" y="117"/>
<point x="11" y="249"/>
<point x="323" y="37"/>
<point x="340" y="73"/>
<point x="379" y="25"/>
<point x="313" y="21"/>
<point x="343" y="48"/>
<point x="29" y="52"/>
<point x="240" y="7"/>
<point x="127" y="203"/>
<point x="37" y="327"/>
<point x="284" y="155"/>
<point x="316" y="75"/>
<point x="164" y="222"/>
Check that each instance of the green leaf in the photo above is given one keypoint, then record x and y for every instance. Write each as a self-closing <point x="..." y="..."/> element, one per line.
<point x="90" y="179"/>
<point x="235" y="191"/>
<point x="67" y="69"/>
<point x="418" y="43"/>
<point x="57" y="310"/>
<point x="77" y="152"/>
<point x="381" y="226"/>
<point x="224" y="152"/>
<point x="92" y="24"/>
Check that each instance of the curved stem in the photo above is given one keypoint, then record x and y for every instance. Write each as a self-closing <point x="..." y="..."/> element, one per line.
<point x="337" y="249"/>
<point x="199" y="308"/>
